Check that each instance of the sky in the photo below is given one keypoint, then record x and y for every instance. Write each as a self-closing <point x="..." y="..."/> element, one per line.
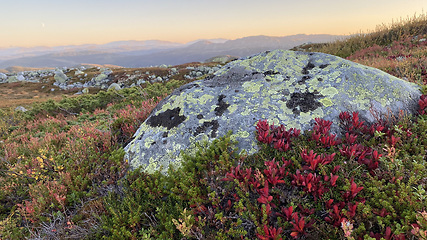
<point x="29" y="23"/>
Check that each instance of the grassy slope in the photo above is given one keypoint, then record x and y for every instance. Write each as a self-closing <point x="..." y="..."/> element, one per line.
<point x="60" y="166"/>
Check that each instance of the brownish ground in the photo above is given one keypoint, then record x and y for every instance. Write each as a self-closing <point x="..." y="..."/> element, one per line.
<point x="24" y="93"/>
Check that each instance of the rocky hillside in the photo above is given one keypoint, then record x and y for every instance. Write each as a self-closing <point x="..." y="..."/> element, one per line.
<point x="25" y="87"/>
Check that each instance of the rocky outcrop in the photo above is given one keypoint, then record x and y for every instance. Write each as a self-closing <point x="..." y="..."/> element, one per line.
<point x="291" y="88"/>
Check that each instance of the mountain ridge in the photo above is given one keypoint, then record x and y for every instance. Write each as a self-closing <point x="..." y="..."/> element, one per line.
<point x="134" y="53"/>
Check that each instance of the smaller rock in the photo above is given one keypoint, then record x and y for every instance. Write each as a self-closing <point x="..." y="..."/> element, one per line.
<point x="3" y="76"/>
<point x="12" y="79"/>
<point x="199" y="74"/>
<point x="20" y="109"/>
<point x="114" y="86"/>
<point x="221" y="59"/>
<point x="60" y="77"/>
<point x="20" y="78"/>
<point x="85" y="90"/>
<point x="100" y="78"/>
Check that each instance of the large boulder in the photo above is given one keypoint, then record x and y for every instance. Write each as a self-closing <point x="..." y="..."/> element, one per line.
<point x="291" y="88"/>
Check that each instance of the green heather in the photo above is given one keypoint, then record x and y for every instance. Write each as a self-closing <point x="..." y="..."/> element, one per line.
<point x="63" y="173"/>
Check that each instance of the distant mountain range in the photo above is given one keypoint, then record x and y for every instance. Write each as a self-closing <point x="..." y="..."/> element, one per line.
<point x="151" y="52"/>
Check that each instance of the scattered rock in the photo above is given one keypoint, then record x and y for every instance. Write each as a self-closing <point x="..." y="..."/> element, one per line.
<point x="12" y="79"/>
<point x="221" y="59"/>
<point x="291" y="88"/>
<point x="60" y="77"/>
<point x="20" y="109"/>
<point x="78" y="72"/>
<point x="114" y="86"/>
<point x="20" y="78"/>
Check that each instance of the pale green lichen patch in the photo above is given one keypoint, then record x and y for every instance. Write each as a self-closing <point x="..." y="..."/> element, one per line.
<point x="285" y="87"/>
<point x="252" y="87"/>
<point x="330" y="91"/>
<point x="326" y="102"/>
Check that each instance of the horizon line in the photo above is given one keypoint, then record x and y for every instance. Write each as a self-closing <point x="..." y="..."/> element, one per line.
<point x="183" y="43"/>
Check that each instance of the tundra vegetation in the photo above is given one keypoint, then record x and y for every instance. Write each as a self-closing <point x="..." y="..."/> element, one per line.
<point x="63" y="176"/>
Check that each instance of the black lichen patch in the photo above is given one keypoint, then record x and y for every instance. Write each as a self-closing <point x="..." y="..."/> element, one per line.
<point x="168" y="119"/>
<point x="200" y="116"/>
<point x="304" y="78"/>
<point x="211" y="124"/>
<point x="303" y="102"/>
<point x="165" y="135"/>
<point x="140" y="136"/>
<point x="270" y="72"/>
<point x="222" y="105"/>
<point x="324" y="65"/>
<point x="186" y="87"/>
<point x="307" y="68"/>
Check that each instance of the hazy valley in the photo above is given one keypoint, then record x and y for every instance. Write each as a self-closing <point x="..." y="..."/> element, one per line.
<point x="148" y="53"/>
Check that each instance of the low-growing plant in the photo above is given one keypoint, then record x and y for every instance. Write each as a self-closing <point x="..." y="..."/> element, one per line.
<point x="309" y="186"/>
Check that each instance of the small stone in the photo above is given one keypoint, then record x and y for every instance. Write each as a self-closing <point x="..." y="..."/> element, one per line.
<point x="20" y="109"/>
<point x="60" y="77"/>
<point x="12" y="79"/>
<point x="20" y="78"/>
<point x="114" y="86"/>
<point x="199" y="74"/>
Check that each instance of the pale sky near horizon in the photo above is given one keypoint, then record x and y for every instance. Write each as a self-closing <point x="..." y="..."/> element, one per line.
<point x="28" y="23"/>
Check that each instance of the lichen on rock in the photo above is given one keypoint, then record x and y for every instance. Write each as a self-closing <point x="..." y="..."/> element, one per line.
<point x="291" y="88"/>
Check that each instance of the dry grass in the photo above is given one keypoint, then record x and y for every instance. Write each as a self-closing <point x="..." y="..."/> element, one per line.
<point x="383" y="35"/>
